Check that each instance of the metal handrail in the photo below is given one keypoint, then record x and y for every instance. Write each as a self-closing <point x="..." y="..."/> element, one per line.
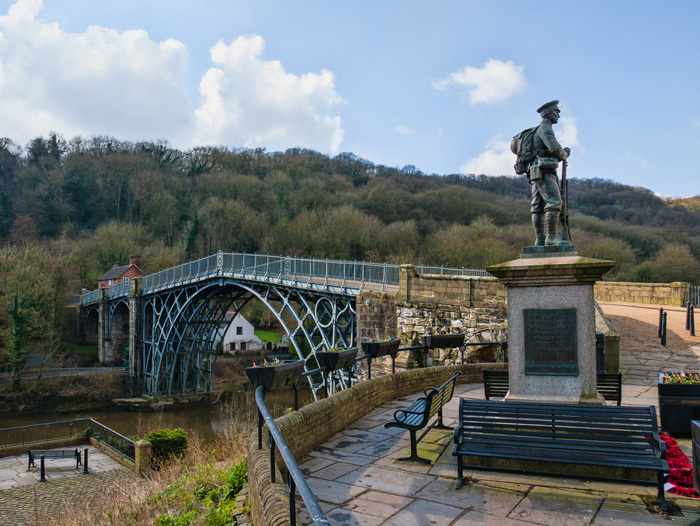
<point x="295" y="478"/>
<point x="111" y="439"/>
<point x="40" y="432"/>
<point x="311" y="273"/>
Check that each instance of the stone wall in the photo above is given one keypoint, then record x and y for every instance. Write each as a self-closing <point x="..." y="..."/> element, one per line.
<point x="650" y="293"/>
<point x="449" y="290"/>
<point x="432" y="304"/>
<point x="316" y="423"/>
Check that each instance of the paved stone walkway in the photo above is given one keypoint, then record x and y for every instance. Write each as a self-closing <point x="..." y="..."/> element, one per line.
<point x="24" y="500"/>
<point x="360" y="483"/>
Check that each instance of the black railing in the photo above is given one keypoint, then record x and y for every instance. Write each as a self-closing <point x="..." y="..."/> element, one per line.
<point x="693" y="295"/>
<point x="23" y="435"/>
<point x="295" y="479"/>
<point x="35" y="433"/>
<point x="115" y="441"/>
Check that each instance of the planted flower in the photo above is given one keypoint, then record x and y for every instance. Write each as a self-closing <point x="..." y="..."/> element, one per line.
<point x="273" y="363"/>
<point x="681" y="378"/>
<point x="679" y="401"/>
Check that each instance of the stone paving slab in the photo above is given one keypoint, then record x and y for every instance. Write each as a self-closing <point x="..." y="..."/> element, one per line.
<point x="20" y="506"/>
<point x="370" y="487"/>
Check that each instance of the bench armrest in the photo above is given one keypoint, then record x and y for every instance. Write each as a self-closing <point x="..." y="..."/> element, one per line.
<point x="659" y="446"/>
<point x="429" y="390"/>
<point x="406" y="412"/>
<point x="458" y="436"/>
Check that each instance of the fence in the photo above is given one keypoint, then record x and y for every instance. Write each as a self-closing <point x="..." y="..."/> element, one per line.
<point x="32" y="434"/>
<point x="694" y="295"/>
<point x="357" y="275"/>
<point x="18" y="436"/>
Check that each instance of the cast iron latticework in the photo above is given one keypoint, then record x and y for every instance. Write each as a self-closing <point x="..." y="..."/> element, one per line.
<point x="184" y="327"/>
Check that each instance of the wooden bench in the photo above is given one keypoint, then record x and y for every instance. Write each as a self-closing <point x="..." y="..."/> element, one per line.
<point x="53" y="453"/>
<point x="417" y="416"/>
<point x="590" y="435"/>
<point x="497" y="383"/>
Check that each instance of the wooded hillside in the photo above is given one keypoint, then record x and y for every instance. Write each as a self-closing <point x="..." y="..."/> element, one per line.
<point x="93" y="202"/>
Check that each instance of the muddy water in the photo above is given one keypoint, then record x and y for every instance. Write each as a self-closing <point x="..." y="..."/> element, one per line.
<point x="208" y="422"/>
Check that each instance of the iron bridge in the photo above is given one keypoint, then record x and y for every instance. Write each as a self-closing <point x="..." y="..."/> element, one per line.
<point x="183" y="312"/>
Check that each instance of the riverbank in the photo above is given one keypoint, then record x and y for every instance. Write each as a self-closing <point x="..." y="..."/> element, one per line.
<point x="61" y="395"/>
<point x="105" y="391"/>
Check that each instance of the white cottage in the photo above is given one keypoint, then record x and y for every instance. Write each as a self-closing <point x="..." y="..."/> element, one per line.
<point x="240" y="336"/>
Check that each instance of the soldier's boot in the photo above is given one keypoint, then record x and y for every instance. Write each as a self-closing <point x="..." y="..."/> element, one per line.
<point x="538" y="224"/>
<point x="551" y="221"/>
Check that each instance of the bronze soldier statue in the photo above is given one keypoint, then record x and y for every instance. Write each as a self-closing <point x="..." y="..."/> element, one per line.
<point x="542" y="174"/>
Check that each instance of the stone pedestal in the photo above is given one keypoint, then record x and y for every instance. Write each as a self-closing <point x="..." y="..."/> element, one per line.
<point x="551" y="326"/>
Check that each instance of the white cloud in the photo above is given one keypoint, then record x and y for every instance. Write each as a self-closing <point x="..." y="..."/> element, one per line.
<point x="97" y="82"/>
<point x="103" y="82"/>
<point x="403" y="130"/>
<point x="496" y="160"/>
<point x="496" y="81"/>
<point x="247" y="101"/>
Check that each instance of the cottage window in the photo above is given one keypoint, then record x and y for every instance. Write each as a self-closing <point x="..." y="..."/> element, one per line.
<point x="239" y="331"/>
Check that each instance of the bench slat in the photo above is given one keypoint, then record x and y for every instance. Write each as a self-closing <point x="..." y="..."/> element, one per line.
<point x="497" y="384"/>
<point x="613" y="436"/>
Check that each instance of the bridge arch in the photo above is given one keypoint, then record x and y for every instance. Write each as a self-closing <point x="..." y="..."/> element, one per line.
<point x="182" y="327"/>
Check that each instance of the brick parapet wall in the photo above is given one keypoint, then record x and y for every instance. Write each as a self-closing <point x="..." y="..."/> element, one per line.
<point x="645" y="293"/>
<point x="483" y="292"/>
<point x="316" y="423"/>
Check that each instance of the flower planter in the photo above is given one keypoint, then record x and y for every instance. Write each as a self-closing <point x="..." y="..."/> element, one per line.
<point x="337" y="359"/>
<point x="379" y="349"/>
<point x="678" y="405"/>
<point x="275" y="377"/>
<point x="442" y="341"/>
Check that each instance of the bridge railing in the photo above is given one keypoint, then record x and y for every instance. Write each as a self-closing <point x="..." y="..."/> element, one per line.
<point x="91" y="297"/>
<point x="119" y="290"/>
<point x="446" y="271"/>
<point x="329" y="272"/>
<point x="694" y="295"/>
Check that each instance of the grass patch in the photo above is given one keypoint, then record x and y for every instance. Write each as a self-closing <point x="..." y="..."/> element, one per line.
<point x="85" y="355"/>
<point x="269" y="336"/>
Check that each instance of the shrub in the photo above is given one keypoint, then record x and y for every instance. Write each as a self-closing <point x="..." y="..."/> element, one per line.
<point x="167" y="443"/>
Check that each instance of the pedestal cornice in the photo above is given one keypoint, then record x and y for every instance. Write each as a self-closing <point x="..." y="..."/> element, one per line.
<point x="551" y="271"/>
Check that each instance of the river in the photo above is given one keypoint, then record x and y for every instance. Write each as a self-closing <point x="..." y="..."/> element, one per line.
<point x="208" y="422"/>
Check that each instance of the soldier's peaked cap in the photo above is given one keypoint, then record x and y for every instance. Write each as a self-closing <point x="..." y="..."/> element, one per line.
<point x="550" y="104"/>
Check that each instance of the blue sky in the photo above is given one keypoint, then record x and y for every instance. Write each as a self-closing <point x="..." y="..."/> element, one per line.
<point x="441" y="85"/>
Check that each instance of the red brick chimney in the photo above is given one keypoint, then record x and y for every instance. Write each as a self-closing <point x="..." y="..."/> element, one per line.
<point x="135" y="260"/>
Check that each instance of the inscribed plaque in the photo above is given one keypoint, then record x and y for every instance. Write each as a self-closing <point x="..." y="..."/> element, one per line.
<point x="550" y="342"/>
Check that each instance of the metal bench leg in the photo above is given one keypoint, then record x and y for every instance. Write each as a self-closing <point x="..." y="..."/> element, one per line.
<point x="414" y="450"/>
<point x="440" y="424"/>
<point x="662" y="497"/>
<point x="460" y="474"/>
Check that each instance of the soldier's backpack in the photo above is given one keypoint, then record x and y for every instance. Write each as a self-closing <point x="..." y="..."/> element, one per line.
<point x="522" y="146"/>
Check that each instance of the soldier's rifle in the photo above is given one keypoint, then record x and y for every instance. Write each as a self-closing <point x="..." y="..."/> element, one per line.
<point x="565" y="232"/>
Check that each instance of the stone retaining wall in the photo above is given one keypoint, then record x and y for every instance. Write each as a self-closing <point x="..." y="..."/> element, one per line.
<point x="318" y="422"/>
<point x="649" y="293"/>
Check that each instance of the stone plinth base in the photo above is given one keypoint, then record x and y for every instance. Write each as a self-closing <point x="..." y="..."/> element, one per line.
<point x="551" y="327"/>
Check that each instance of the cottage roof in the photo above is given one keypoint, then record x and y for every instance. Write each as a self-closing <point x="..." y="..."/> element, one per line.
<point x="117" y="272"/>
